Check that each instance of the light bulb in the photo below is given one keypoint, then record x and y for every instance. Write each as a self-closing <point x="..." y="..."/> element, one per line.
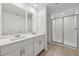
<point x="35" y="5"/>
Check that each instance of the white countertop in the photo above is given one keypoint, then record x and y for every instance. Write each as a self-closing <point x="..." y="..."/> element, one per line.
<point x="8" y="39"/>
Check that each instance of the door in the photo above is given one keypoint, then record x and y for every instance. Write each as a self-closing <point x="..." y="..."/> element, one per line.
<point x="41" y="43"/>
<point x="70" y="31"/>
<point x="28" y="50"/>
<point x="36" y="46"/>
<point x="57" y="30"/>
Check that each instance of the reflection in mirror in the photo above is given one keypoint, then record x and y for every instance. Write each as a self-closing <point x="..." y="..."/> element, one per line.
<point x="13" y="19"/>
<point x="29" y="22"/>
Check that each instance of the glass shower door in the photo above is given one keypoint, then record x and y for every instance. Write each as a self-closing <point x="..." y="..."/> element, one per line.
<point x="70" y="31"/>
<point x="57" y="30"/>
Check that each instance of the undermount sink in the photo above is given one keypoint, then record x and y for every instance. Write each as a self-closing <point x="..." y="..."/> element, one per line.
<point x="16" y="38"/>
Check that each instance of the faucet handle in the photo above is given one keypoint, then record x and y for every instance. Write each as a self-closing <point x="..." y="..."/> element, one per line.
<point x="17" y="35"/>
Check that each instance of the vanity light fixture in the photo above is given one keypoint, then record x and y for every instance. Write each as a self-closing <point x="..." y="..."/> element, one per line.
<point x="35" y="5"/>
<point x="62" y="14"/>
<point x="76" y="12"/>
<point x="52" y="17"/>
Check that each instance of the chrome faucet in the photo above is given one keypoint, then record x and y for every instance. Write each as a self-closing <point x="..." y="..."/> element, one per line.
<point x="17" y="35"/>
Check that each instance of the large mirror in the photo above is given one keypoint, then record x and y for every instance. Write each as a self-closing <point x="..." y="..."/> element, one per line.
<point x="13" y="19"/>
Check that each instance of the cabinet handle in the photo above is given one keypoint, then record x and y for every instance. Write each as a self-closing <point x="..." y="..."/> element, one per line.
<point x="75" y="28"/>
<point x="21" y="52"/>
<point x="40" y="42"/>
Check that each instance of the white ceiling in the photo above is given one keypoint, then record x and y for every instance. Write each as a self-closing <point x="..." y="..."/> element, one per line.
<point x="12" y="9"/>
<point x="39" y="5"/>
<point x="62" y="6"/>
<point x="54" y="7"/>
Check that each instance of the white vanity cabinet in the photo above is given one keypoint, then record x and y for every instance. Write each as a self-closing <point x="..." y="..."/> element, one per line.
<point x="21" y="48"/>
<point x="38" y="44"/>
<point x="31" y="46"/>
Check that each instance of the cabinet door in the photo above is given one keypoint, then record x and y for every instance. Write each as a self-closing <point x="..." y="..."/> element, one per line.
<point x="41" y="44"/>
<point x="36" y="46"/>
<point x="70" y="31"/>
<point x="15" y="53"/>
<point x="24" y="51"/>
<point x="28" y="50"/>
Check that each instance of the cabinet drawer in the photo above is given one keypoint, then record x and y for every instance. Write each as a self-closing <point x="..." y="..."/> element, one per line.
<point x="13" y="46"/>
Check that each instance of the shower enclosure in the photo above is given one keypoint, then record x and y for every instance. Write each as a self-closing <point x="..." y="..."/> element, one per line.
<point x="65" y="30"/>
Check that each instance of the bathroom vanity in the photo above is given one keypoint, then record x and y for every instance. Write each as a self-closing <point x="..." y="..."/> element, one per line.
<point x="28" y="45"/>
<point x="16" y="18"/>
